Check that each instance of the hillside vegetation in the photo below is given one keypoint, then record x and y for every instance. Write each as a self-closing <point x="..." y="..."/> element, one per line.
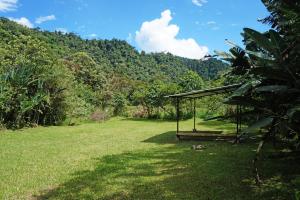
<point x="47" y="77"/>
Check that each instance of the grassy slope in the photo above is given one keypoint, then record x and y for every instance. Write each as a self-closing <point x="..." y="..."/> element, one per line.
<point x="124" y="159"/>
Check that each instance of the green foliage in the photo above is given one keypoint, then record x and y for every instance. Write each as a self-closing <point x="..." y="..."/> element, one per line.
<point x="119" y="103"/>
<point x="80" y="100"/>
<point x="191" y="81"/>
<point x="32" y="85"/>
<point x="270" y="65"/>
<point x="153" y="96"/>
<point x="52" y="76"/>
<point x="86" y="70"/>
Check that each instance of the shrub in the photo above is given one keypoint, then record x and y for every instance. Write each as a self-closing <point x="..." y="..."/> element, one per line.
<point x="99" y="116"/>
<point x="33" y="85"/>
<point x="119" y="104"/>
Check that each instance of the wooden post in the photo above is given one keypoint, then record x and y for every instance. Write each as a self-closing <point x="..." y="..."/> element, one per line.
<point x="194" y="130"/>
<point x="237" y="120"/>
<point x="240" y="118"/>
<point x="177" y="113"/>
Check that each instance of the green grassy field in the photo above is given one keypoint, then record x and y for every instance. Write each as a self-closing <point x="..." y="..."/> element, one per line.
<point x="133" y="159"/>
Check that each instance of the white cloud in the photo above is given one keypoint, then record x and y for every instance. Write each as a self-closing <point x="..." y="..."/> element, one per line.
<point x="159" y="35"/>
<point x="62" y="30"/>
<point x="93" y="35"/>
<point x="8" y="5"/>
<point x="23" y="21"/>
<point x="199" y="2"/>
<point x="43" y="19"/>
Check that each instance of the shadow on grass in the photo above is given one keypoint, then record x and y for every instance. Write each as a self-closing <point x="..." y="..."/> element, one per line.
<point x="218" y="125"/>
<point x="170" y="138"/>
<point x="147" y="120"/>
<point x="175" y="172"/>
<point x="281" y="178"/>
<point x="153" y="119"/>
<point x="164" y="138"/>
<point x="220" y="171"/>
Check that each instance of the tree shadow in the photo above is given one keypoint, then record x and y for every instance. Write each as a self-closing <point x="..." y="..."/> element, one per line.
<point x="148" y="120"/>
<point x="218" y="125"/>
<point x="170" y="138"/>
<point x="280" y="175"/>
<point x="172" y="172"/>
<point x="164" y="138"/>
<point x="175" y="171"/>
<point x="220" y="171"/>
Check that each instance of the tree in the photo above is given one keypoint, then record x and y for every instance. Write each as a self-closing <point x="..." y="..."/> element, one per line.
<point x="119" y="103"/>
<point x="191" y="81"/>
<point x="270" y="63"/>
<point x="86" y="70"/>
<point x="152" y="97"/>
<point x="32" y="85"/>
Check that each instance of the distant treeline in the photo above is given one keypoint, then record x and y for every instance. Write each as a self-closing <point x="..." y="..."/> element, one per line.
<point x="47" y="77"/>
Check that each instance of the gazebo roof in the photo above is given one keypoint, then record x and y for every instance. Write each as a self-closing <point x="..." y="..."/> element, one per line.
<point x="206" y="92"/>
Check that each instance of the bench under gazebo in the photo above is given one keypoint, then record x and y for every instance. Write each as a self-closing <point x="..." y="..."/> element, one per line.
<point x="204" y="134"/>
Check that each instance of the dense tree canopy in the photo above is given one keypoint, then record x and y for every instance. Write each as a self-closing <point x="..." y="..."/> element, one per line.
<point x="48" y="76"/>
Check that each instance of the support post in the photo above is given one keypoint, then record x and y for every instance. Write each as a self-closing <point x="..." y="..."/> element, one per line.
<point x="237" y="120"/>
<point x="194" y="130"/>
<point x="240" y="116"/>
<point x="177" y="113"/>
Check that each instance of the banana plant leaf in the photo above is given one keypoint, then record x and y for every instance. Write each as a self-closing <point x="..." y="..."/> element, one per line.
<point x="272" y="88"/>
<point x="223" y="54"/>
<point x="277" y="41"/>
<point x="260" y="124"/>
<point x="271" y="73"/>
<point x="243" y="101"/>
<point x="261" y="40"/>
<point x="292" y="111"/>
<point x="232" y="44"/>
<point x="260" y="55"/>
<point x="245" y="88"/>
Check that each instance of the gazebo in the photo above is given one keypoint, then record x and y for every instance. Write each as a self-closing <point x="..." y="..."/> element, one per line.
<point x="196" y="94"/>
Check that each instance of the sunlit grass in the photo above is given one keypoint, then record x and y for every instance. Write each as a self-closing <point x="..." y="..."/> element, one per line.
<point x="123" y="159"/>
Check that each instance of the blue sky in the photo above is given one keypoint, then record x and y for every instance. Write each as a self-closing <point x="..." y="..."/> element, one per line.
<point x="195" y="25"/>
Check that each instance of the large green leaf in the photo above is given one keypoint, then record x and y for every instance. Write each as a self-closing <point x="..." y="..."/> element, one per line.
<point x="243" y="101"/>
<point x="262" y="123"/>
<point x="271" y="73"/>
<point x="292" y="111"/>
<point x="272" y="88"/>
<point x="260" y="39"/>
<point x="245" y="88"/>
<point x="260" y="54"/>
<point x="223" y="54"/>
<point x="233" y="44"/>
<point x="277" y="41"/>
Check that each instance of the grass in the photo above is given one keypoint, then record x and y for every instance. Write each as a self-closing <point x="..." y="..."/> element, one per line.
<point x="133" y="159"/>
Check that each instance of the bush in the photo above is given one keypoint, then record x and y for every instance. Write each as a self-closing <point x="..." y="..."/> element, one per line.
<point x="119" y="104"/>
<point x="33" y="85"/>
<point x="99" y="116"/>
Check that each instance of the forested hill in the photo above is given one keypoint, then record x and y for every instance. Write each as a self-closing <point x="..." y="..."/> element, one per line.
<point x="47" y="77"/>
<point x="115" y="56"/>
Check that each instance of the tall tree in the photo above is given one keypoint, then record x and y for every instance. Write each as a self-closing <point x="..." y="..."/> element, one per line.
<point x="270" y="63"/>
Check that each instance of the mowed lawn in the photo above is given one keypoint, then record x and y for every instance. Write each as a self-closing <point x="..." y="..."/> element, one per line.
<point x="129" y="159"/>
